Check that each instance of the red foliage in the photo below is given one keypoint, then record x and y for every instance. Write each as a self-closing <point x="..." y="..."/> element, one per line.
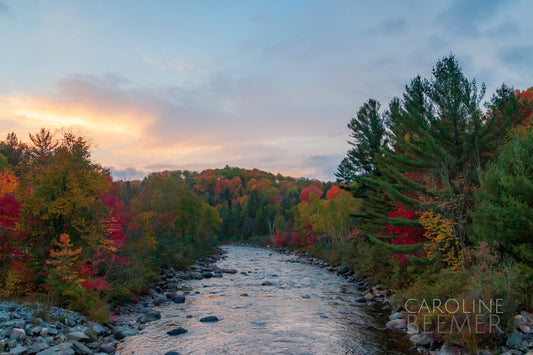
<point x="526" y="104"/>
<point x="305" y="194"/>
<point x="405" y="235"/>
<point x="222" y="185"/>
<point x="333" y="192"/>
<point x="10" y="209"/>
<point x="98" y="284"/>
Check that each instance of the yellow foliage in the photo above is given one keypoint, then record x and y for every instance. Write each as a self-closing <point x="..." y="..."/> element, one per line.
<point x="444" y="242"/>
<point x="13" y="285"/>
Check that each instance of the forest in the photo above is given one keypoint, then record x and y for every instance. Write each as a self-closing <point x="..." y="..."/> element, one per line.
<point x="434" y="200"/>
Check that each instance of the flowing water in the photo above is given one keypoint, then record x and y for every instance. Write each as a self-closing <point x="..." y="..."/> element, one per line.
<point x="306" y="310"/>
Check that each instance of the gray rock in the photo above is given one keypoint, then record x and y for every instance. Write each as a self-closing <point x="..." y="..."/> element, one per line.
<point x="108" y="348"/>
<point x="207" y="275"/>
<point x="422" y="339"/>
<point x="79" y="348"/>
<point x="229" y="271"/>
<point x="175" y="297"/>
<point x="18" y="333"/>
<point x="396" y="315"/>
<point x="396" y="324"/>
<point x="19" y="349"/>
<point x="172" y="353"/>
<point x="97" y="328"/>
<point x="152" y="316"/>
<point x="209" y="319"/>
<point x="177" y="331"/>
<point x="266" y="283"/>
<point x="195" y="275"/>
<point x="52" y="331"/>
<point x="79" y="336"/>
<point x="343" y="269"/>
<point x="40" y="346"/>
<point x="127" y="330"/>
<point x="515" y="340"/>
<point x="61" y="349"/>
<point x="4" y="317"/>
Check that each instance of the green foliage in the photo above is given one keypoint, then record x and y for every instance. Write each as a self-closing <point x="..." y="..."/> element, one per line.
<point x="505" y="209"/>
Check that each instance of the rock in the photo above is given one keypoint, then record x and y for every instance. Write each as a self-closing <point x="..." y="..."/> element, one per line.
<point x="97" y="328"/>
<point x="209" y="319"/>
<point x="266" y="283"/>
<point x="422" y="339"/>
<point x="195" y="275"/>
<point x="4" y="317"/>
<point x="396" y="324"/>
<point x="172" y="286"/>
<point x="343" y="269"/>
<point x="127" y="330"/>
<point x="37" y="347"/>
<point x="158" y="301"/>
<point x="175" y="297"/>
<point x="19" y="333"/>
<point x="79" y="348"/>
<point x="172" y="353"/>
<point x="19" y="349"/>
<point x="79" y="336"/>
<point x="396" y="315"/>
<point x="152" y="316"/>
<point x="207" y="275"/>
<point x="61" y="349"/>
<point x="229" y="271"/>
<point x="306" y="297"/>
<point x="360" y="300"/>
<point x="524" y="328"/>
<point x="108" y="348"/>
<point x="52" y="331"/>
<point x="244" y="295"/>
<point x="515" y="339"/>
<point x="177" y="331"/>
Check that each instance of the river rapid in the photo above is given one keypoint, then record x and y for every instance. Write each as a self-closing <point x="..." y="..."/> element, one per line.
<point x="305" y="310"/>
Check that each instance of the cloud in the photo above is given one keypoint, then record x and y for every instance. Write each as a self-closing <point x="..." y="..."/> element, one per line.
<point x="4" y="9"/>
<point x="518" y="57"/>
<point x="224" y="121"/>
<point x="464" y="17"/>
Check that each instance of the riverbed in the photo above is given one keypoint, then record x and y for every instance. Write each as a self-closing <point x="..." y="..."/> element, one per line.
<point x="272" y="305"/>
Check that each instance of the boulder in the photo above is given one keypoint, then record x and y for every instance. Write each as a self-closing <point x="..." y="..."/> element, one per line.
<point x="422" y="339"/>
<point x="195" y="275"/>
<point x="396" y="324"/>
<point x="61" y="349"/>
<point x="175" y="297"/>
<point x="19" y="333"/>
<point x="78" y="336"/>
<point x="152" y="316"/>
<point x="79" y="348"/>
<point x="177" y="331"/>
<point x="209" y="319"/>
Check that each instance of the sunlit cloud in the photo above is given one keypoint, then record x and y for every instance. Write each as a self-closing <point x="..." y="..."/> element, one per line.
<point x="138" y="130"/>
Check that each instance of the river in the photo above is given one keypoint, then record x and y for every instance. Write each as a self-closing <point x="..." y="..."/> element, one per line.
<point x="306" y="310"/>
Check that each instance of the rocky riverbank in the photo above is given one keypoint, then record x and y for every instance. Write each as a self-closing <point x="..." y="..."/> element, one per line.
<point x="519" y="342"/>
<point x="32" y="328"/>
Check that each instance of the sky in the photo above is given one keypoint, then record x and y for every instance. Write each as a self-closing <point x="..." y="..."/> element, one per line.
<point x="158" y="85"/>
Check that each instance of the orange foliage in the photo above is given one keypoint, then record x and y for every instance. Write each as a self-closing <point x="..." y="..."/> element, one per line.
<point x="8" y="182"/>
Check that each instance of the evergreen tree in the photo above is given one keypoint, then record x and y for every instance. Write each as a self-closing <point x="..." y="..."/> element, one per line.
<point x="369" y="137"/>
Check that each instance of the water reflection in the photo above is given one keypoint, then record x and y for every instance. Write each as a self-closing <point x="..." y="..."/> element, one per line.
<point x="306" y="310"/>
